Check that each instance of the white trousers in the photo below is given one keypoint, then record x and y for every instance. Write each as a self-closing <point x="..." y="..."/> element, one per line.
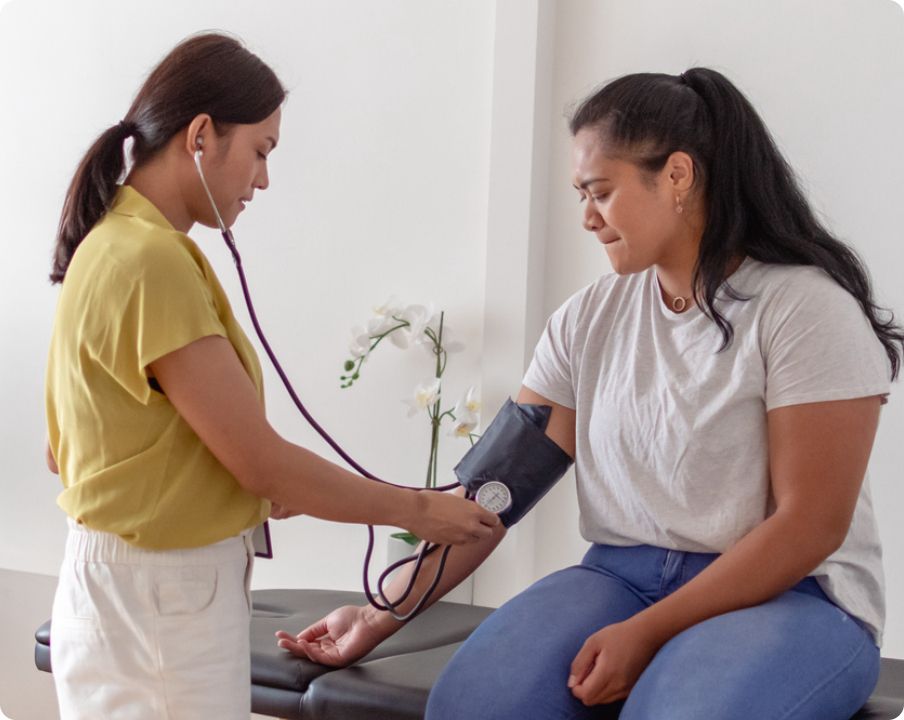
<point x="142" y="635"/>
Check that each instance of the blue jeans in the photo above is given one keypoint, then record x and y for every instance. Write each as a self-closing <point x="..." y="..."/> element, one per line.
<point x="795" y="657"/>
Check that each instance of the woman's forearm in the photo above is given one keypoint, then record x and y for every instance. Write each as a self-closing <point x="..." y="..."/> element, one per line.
<point x="305" y="483"/>
<point x="207" y="384"/>
<point x="818" y="455"/>
<point x="299" y="479"/>
<point x="769" y="560"/>
<point x="462" y="561"/>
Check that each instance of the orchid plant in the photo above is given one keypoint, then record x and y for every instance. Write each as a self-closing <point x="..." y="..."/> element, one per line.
<point x="409" y="326"/>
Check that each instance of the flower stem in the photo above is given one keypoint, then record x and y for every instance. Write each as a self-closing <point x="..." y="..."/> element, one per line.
<point x="378" y="339"/>
<point x="434" y="454"/>
<point x="435" y="417"/>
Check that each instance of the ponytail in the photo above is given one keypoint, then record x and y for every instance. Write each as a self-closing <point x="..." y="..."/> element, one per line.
<point x="89" y="195"/>
<point x="754" y="204"/>
<point x="208" y="73"/>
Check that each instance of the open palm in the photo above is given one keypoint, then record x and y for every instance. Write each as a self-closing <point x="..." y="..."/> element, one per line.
<point x="339" y="639"/>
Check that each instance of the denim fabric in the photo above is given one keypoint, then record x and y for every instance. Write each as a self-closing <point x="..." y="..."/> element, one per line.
<point x="796" y="657"/>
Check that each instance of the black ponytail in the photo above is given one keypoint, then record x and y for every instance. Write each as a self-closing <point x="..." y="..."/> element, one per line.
<point x="209" y="73"/>
<point x="754" y="204"/>
<point x="89" y="195"/>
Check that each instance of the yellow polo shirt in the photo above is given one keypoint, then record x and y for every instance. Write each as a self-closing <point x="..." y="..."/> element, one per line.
<point x="136" y="290"/>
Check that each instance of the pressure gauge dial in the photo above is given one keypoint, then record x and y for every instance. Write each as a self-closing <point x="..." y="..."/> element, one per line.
<point x="494" y="496"/>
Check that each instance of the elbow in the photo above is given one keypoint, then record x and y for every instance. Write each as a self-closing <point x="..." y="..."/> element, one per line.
<point x="835" y="537"/>
<point x="819" y="536"/>
<point x="255" y="479"/>
<point x="51" y="462"/>
<point x="830" y="532"/>
<point x="252" y="483"/>
<point x="257" y="470"/>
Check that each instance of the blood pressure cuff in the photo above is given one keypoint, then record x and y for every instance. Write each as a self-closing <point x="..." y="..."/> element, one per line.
<point x="515" y="451"/>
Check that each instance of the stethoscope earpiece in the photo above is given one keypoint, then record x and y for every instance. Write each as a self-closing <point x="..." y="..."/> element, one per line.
<point x="198" y="153"/>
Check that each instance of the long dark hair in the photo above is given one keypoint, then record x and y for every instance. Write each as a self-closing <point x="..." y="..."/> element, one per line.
<point x="209" y="73"/>
<point x="754" y="205"/>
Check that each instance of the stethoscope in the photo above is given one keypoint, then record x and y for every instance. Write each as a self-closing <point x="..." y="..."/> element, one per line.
<point x="428" y="548"/>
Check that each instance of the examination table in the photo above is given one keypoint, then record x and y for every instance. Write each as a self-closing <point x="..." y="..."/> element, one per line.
<point x="392" y="683"/>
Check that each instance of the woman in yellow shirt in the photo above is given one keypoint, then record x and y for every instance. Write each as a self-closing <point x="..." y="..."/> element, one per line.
<point x="155" y="410"/>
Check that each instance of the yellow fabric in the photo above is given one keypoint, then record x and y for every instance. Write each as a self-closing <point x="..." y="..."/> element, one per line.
<point x="137" y="289"/>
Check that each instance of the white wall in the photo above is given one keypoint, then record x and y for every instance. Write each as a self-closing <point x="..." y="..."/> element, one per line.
<point x="379" y="187"/>
<point x="424" y="153"/>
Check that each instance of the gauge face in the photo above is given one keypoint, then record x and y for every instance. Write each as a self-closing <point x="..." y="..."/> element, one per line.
<point x="494" y="496"/>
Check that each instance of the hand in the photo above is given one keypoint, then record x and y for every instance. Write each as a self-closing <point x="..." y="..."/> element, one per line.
<point x="280" y="512"/>
<point x="345" y="635"/>
<point x="611" y="661"/>
<point x="449" y="519"/>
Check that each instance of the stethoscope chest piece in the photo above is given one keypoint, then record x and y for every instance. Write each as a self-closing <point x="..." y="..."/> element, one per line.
<point x="494" y="496"/>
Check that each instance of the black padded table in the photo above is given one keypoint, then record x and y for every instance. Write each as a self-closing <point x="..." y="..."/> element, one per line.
<point x="392" y="683"/>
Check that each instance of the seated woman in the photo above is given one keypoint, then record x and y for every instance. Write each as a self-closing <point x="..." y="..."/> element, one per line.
<point x="720" y="393"/>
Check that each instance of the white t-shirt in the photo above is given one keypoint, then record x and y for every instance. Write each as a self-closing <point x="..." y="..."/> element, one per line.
<point x="671" y="434"/>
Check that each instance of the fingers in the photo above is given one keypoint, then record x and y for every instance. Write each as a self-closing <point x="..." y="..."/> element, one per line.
<point x="487" y="522"/>
<point x="325" y="654"/>
<point x="592" y="680"/>
<point x="314" y="632"/>
<point x="487" y="518"/>
<point x="582" y="664"/>
<point x="588" y="690"/>
<point x="322" y="651"/>
<point x="600" y="686"/>
<point x="287" y="642"/>
<point x="315" y="652"/>
<point x="449" y="519"/>
<point x="298" y="644"/>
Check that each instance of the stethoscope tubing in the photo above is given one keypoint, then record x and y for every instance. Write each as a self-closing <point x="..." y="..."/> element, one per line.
<point x="428" y="548"/>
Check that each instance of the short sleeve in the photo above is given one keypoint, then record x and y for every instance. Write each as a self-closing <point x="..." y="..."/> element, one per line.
<point x="550" y="371"/>
<point x="819" y="345"/>
<point x="154" y="305"/>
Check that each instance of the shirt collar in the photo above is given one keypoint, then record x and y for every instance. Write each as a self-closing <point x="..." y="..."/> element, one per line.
<point x="128" y="201"/>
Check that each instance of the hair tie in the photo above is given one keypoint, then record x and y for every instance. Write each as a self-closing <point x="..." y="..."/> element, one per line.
<point x="126" y="128"/>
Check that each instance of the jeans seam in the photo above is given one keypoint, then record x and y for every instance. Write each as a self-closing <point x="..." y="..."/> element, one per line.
<point x="665" y="566"/>
<point x="619" y="579"/>
<point x="827" y="681"/>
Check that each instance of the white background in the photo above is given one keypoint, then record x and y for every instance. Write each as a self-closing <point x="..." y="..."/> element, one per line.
<point x="424" y="154"/>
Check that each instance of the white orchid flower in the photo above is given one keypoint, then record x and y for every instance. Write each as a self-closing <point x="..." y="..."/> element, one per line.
<point x="464" y="426"/>
<point x="379" y="324"/>
<point x="471" y="400"/>
<point x="450" y="345"/>
<point x="360" y="343"/>
<point x="467" y="414"/>
<point x="418" y="318"/>
<point x="389" y="308"/>
<point x="424" y="396"/>
<point x="401" y="338"/>
<point x="384" y="315"/>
